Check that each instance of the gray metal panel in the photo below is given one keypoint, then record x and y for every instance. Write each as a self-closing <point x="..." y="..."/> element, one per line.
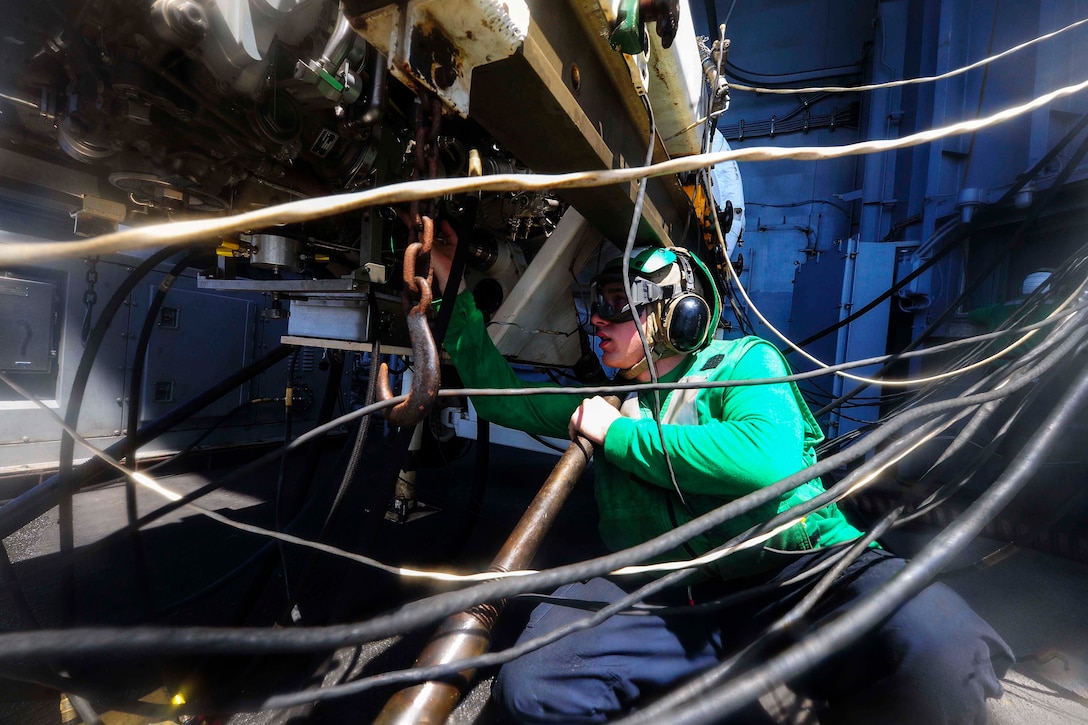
<point x="868" y="335"/>
<point x="334" y="319"/>
<point x="100" y="412"/>
<point x="816" y="298"/>
<point x="196" y="338"/>
<point x="26" y="325"/>
<point x="33" y="433"/>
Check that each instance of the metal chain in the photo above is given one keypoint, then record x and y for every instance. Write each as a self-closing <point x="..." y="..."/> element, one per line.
<point x="421" y="216"/>
<point x="90" y="296"/>
<point x="418" y="274"/>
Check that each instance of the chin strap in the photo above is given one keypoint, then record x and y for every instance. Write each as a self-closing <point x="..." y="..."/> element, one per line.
<point x="637" y="369"/>
<point x="653" y="333"/>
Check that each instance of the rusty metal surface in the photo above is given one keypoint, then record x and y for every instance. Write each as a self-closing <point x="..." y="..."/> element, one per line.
<point x="563" y="102"/>
<point x="468" y="634"/>
<point x="532" y="105"/>
<point x="353" y="8"/>
<point x="427" y="377"/>
<point x="418" y="275"/>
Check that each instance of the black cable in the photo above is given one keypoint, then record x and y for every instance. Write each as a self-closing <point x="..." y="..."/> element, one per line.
<point x="545" y="442"/>
<point x="208" y="431"/>
<point x="135" y="397"/>
<point x="1038" y="297"/>
<point x="840" y="207"/>
<point x="655" y="711"/>
<point x="969" y="470"/>
<point x="1018" y="236"/>
<point x="67" y="484"/>
<point x="963" y="233"/>
<point x="719" y="700"/>
<point x="249" y="599"/>
<point x="357" y="447"/>
<point x="324" y="415"/>
<point x="687" y="610"/>
<point x="464" y="227"/>
<point x="35" y="502"/>
<point x="1018" y="543"/>
<point x="346" y="480"/>
<point x="749" y="76"/>
<point x="242" y="568"/>
<point x="139" y="632"/>
<point x="945" y="249"/>
<point x="83" y="642"/>
<point x="435" y="672"/>
<point x="281" y="473"/>
<point x="63" y="684"/>
<point x="481" y="476"/>
<point x="15" y="590"/>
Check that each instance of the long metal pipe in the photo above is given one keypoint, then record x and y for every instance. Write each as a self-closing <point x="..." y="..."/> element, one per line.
<point x="22" y="510"/>
<point x="468" y="633"/>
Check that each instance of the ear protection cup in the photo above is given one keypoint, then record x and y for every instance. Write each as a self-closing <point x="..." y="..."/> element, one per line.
<point x="685" y="323"/>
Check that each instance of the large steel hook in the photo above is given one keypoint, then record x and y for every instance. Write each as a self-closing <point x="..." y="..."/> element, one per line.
<point x="427" y="375"/>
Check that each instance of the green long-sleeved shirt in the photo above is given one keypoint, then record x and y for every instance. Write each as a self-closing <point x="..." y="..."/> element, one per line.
<point x="722" y="442"/>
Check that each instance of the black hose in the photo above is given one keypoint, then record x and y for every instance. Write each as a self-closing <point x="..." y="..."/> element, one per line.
<point x="346" y="480"/>
<point x="1018" y="236"/>
<point x="15" y="590"/>
<point x="82" y="642"/>
<point x="35" y="502"/>
<point x="135" y="395"/>
<point x="281" y="473"/>
<point x="961" y="234"/>
<point x="68" y="484"/>
<point x="352" y="468"/>
<point x="713" y="700"/>
<point x="209" y="430"/>
<point x="261" y="577"/>
<point x="481" y="474"/>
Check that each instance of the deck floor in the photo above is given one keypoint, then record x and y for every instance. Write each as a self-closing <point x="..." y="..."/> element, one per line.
<point x="1036" y="601"/>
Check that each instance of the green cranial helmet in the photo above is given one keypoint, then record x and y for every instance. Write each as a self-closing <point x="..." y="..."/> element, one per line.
<point x="677" y="292"/>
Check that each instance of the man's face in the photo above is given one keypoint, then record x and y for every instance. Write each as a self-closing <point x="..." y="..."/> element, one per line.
<point x="621" y="346"/>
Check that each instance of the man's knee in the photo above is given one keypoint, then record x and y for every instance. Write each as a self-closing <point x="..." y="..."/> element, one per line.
<point x="952" y="652"/>
<point x="531" y="694"/>
<point x="934" y="660"/>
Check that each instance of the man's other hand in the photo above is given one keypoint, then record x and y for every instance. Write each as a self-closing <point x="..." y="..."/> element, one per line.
<point x="592" y="419"/>
<point x="445" y="244"/>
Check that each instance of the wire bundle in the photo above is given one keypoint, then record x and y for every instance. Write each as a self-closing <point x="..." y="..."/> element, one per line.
<point x="919" y="418"/>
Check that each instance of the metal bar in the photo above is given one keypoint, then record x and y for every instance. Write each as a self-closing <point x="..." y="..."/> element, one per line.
<point x="587" y="131"/>
<point x="468" y="633"/>
<point x="302" y="286"/>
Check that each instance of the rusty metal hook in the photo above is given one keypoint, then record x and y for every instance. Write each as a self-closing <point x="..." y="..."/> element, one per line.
<point x="427" y="375"/>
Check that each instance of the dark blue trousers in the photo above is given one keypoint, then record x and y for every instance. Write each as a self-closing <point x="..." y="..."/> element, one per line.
<point x="934" y="661"/>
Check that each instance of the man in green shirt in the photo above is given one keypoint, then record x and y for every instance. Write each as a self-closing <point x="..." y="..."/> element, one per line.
<point x="720" y="443"/>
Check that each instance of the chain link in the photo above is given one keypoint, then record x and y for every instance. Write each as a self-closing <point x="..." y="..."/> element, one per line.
<point x="417" y="257"/>
<point x="417" y="280"/>
<point x="90" y="296"/>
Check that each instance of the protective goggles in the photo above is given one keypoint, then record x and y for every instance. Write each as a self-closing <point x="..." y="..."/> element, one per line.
<point x="610" y="303"/>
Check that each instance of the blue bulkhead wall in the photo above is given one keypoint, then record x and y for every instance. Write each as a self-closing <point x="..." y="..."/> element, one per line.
<point x="800" y="215"/>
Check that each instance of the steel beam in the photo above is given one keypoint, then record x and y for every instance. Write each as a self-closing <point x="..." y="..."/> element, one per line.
<point x="566" y="102"/>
